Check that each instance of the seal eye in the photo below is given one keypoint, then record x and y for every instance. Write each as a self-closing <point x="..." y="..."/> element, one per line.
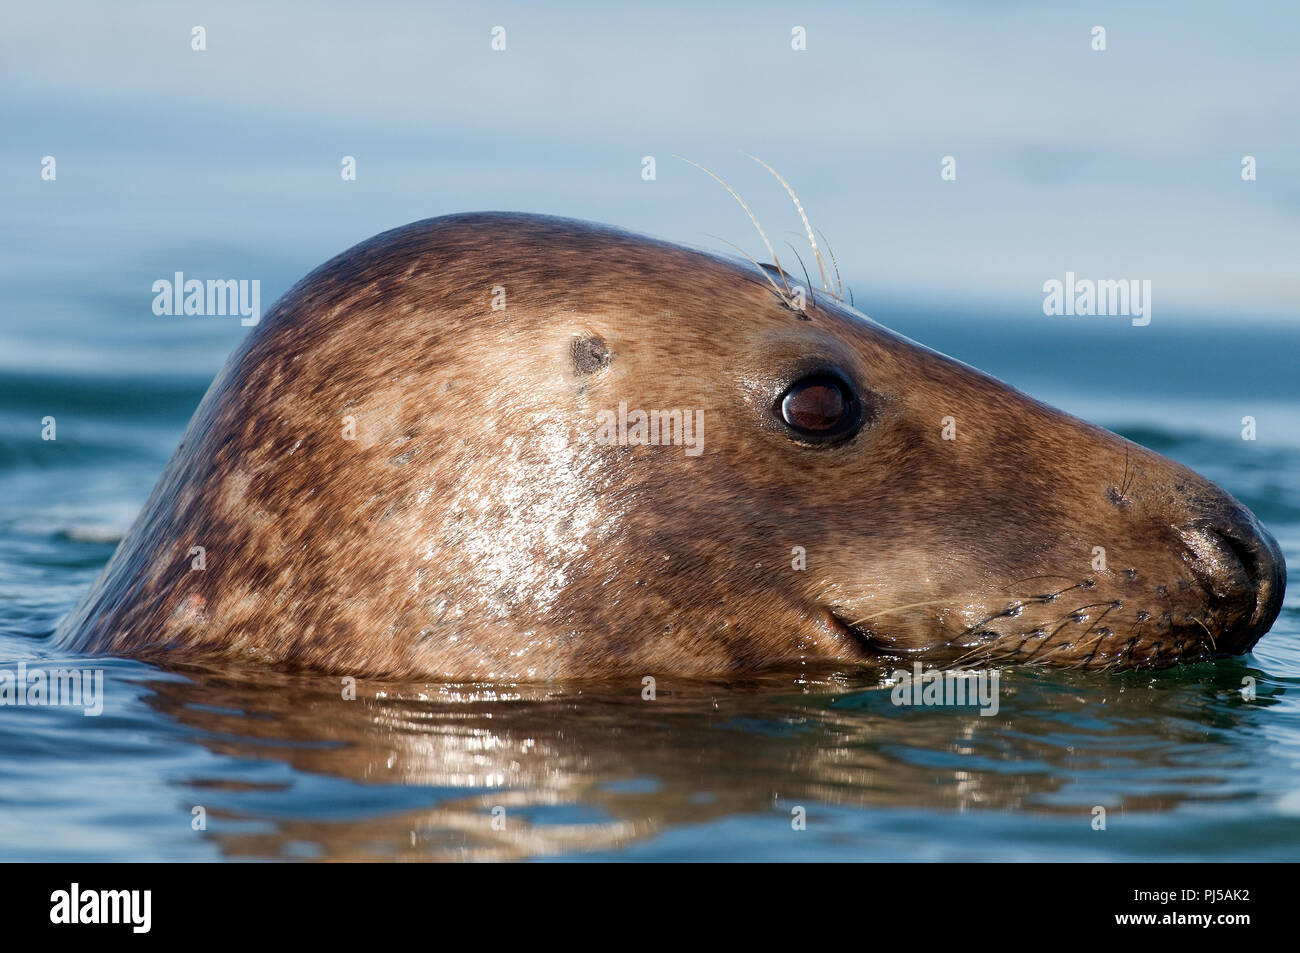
<point x="820" y="407"/>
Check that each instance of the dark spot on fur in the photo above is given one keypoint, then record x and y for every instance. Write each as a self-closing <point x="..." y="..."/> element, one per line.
<point x="590" y="354"/>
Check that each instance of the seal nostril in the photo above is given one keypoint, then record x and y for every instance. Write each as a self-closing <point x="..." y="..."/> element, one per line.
<point x="1264" y="566"/>
<point x="1241" y="566"/>
<point x="1246" y="555"/>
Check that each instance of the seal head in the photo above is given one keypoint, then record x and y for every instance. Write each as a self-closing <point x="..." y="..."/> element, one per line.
<point x="501" y="446"/>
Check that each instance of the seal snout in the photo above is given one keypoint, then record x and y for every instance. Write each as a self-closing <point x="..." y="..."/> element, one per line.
<point x="1242" y="569"/>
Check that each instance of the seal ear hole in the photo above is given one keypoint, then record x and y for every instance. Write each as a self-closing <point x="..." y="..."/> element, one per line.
<point x="820" y="408"/>
<point x="590" y="354"/>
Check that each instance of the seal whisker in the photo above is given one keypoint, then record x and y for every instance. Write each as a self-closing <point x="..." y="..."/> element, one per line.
<point x="839" y="285"/>
<point x="1018" y="604"/>
<point x="949" y="600"/>
<point x="763" y="271"/>
<point x="984" y="651"/>
<point x="985" y="655"/>
<point x="799" y="258"/>
<point x="736" y="195"/>
<point x="910" y="605"/>
<point x="1071" y="644"/>
<point x="987" y="647"/>
<point x="1101" y="636"/>
<point x="1123" y="490"/>
<point x="1132" y="640"/>
<point x="1213" y="646"/>
<point x="1017" y="582"/>
<point x="799" y="206"/>
<point x="1065" y="620"/>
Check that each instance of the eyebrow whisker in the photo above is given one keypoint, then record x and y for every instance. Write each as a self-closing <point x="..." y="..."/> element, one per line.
<point x="736" y="195"/>
<point x="812" y="240"/>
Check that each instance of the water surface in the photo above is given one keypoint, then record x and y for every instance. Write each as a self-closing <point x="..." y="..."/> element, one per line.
<point x="285" y="768"/>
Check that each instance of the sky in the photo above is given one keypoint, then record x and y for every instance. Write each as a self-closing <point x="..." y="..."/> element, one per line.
<point x="1123" y="163"/>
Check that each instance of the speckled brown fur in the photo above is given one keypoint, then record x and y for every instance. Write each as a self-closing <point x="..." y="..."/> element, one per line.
<point x="475" y="529"/>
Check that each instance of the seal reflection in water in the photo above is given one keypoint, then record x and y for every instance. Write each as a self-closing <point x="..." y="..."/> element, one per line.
<point x="409" y="469"/>
<point x="595" y="767"/>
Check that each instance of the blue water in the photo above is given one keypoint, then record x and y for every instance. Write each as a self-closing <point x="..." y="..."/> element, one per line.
<point x="283" y="768"/>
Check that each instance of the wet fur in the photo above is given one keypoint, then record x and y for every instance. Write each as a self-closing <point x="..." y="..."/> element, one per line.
<point x="475" y="530"/>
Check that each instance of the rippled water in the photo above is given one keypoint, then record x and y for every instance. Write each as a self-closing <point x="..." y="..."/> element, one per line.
<point x="284" y="767"/>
